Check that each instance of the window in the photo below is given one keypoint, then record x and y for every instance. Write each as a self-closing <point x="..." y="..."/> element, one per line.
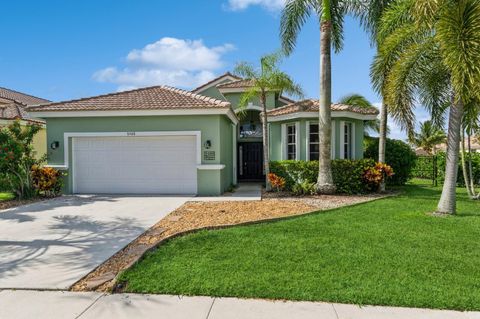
<point x="313" y="147"/>
<point x="347" y="141"/>
<point x="291" y="142"/>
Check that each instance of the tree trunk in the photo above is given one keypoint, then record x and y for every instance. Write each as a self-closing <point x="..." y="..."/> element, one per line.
<point x="266" y="157"/>
<point x="325" y="179"/>
<point x="470" y="168"/>
<point x="382" y="140"/>
<point x="464" y="167"/>
<point x="447" y="203"/>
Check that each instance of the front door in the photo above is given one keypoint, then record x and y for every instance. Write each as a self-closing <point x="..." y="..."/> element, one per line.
<point x="250" y="161"/>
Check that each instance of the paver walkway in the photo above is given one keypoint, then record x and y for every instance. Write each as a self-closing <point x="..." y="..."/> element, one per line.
<point x="54" y="243"/>
<point x="23" y="304"/>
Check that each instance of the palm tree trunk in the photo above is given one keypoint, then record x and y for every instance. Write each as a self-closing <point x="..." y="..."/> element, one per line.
<point x="447" y="203"/>
<point x="266" y="157"/>
<point x="325" y="179"/>
<point x="470" y="167"/>
<point x="382" y="140"/>
<point x="464" y="167"/>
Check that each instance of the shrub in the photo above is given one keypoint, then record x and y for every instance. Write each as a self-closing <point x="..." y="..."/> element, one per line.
<point x="47" y="181"/>
<point x="277" y="182"/>
<point x="441" y="162"/>
<point x="17" y="158"/>
<point x="304" y="188"/>
<point x="348" y="175"/>
<point x="374" y="176"/>
<point x="398" y="155"/>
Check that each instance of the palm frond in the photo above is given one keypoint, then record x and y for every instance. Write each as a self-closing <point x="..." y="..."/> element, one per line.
<point x="294" y="16"/>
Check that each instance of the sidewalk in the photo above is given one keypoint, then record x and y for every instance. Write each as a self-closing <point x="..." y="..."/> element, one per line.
<point x="20" y="304"/>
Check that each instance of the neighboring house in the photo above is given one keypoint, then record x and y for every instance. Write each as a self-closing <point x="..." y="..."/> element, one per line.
<point x="162" y="140"/>
<point x="12" y="107"/>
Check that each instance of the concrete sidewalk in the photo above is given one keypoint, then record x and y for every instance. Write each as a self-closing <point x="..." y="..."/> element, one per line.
<point x="21" y="304"/>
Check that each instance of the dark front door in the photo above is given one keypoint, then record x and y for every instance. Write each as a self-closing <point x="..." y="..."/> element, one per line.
<point x="250" y="161"/>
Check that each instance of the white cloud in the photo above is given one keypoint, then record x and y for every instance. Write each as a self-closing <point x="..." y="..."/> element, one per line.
<point x="271" y="5"/>
<point x="169" y="61"/>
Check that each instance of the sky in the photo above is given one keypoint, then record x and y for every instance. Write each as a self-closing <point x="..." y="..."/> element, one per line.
<point x="61" y="50"/>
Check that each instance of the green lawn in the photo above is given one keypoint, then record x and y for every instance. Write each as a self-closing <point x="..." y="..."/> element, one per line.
<point x="6" y="196"/>
<point x="387" y="252"/>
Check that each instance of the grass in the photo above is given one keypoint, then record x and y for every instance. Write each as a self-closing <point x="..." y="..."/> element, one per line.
<point x="386" y="252"/>
<point x="6" y="196"/>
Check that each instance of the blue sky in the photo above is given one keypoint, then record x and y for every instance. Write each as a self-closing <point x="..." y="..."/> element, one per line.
<point x="61" y="50"/>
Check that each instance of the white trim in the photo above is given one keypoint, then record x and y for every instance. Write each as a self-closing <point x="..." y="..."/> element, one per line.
<point x="249" y="107"/>
<point x="342" y="139"/>
<point x="216" y="82"/>
<point x="234" y="155"/>
<point x="332" y="141"/>
<point x="353" y="141"/>
<point x="167" y="112"/>
<point x="307" y="141"/>
<point x="59" y="167"/>
<point x="232" y="90"/>
<point x="335" y="114"/>
<point x="210" y="167"/>
<point x="297" y="141"/>
<point x="283" y="140"/>
<point x="282" y="99"/>
<point x="68" y="135"/>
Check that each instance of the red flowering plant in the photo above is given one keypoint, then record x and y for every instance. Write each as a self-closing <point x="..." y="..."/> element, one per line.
<point x="47" y="181"/>
<point x="375" y="175"/>
<point x="17" y="158"/>
<point x="277" y="182"/>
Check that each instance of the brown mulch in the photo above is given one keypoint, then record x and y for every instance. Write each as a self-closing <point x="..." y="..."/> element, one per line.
<point x="199" y="215"/>
<point x="17" y="202"/>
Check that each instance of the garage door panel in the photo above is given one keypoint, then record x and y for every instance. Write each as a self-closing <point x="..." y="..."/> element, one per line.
<point x="136" y="165"/>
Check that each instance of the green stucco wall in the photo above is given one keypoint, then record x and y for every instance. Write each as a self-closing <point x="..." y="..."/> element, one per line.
<point x="212" y="127"/>
<point x="276" y="137"/>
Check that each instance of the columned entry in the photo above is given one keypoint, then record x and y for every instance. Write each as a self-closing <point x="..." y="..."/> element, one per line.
<point x="250" y="161"/>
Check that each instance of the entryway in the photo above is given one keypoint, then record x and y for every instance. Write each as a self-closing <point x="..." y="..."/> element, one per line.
<point x="250" y="161"/>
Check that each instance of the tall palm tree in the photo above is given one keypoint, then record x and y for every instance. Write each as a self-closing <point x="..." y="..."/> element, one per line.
<point x="429" y="137"/>
<point x="331" y="14"/>
<point x="432" y="51"/>
<point x="267" y="78"/>
<point x="361" y="101"/>
<point x="370" y="13"/>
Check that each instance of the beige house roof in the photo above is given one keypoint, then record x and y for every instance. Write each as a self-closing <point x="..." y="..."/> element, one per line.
<point x="16" y="111"/>
<point x="150" y="98"/>
<point x="312" y="105"/>
<point x="22" y="98"/>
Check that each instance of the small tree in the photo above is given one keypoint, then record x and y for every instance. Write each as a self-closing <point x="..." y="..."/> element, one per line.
<point x="17" y="158"/>
<point x="429" y="137"/>
<point x="266" y="78"/>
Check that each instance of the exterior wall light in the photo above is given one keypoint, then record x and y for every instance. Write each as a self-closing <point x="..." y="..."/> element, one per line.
<point x="55" y="145"/>
<point x="207" y="144"/>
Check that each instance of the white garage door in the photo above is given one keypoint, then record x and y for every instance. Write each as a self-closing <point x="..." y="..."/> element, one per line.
<point x="135" y="165"/>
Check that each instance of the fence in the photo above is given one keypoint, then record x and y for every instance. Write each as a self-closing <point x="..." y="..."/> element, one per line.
<point x="426" y="168"/>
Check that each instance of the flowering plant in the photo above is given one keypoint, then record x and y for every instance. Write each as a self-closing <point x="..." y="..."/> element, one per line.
<point x="277" y="182"/>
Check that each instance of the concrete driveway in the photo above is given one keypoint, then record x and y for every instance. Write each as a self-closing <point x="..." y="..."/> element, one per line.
<point x="53" y="244"/>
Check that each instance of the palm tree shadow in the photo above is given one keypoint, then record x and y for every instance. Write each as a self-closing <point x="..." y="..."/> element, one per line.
<point x="77" y="243"/>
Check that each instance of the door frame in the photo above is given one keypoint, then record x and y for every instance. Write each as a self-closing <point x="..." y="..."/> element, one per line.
<point x="240" y="168"/>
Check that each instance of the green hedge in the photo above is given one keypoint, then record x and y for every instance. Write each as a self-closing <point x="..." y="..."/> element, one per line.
<point x="399" y="156"/>
<point x="347" y="174"/>
<point x="441" y="162"/>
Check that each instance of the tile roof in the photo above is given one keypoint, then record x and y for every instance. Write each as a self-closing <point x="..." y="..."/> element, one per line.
<point x="227" y="74"/>
<point x="20" y="97"/>
<point x="14" y="111"/>
<point x="242" y="83"/>
<point x="150" y="98"/>
<point x="312" y="105"/>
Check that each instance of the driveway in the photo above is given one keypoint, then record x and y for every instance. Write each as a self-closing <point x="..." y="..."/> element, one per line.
<point x="53" y="244"/>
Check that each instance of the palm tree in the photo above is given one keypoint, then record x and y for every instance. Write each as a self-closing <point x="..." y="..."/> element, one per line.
<point x="267" y="78"/>
<point x="431" y="51"/>
<point x="370" y="14"/>
<point x="331" y="14"/>
<point x="361" y="101"/>
<point x="429" y="137"/>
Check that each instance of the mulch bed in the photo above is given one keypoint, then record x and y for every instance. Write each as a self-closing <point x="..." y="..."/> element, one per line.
<point x="201" y="215"/>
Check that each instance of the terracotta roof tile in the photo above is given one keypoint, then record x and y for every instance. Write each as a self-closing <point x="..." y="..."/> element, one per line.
<point x="150" y="98"/>
<point x="242" y="83"/>
<point x="14" y="111"/>
<point x="20" y="97"/>
<point x="216" y="79"/>
<point x="312" y="105"/>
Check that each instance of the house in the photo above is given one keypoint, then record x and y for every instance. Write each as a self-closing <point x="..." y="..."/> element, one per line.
<point x="12" y="107"/>
<point x="163" y="140"/>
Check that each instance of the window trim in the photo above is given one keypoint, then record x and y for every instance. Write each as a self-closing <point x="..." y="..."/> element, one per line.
<point x="352" y="139"/>
<point x="285" y="140"/>
<point x="307" y="140"/>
